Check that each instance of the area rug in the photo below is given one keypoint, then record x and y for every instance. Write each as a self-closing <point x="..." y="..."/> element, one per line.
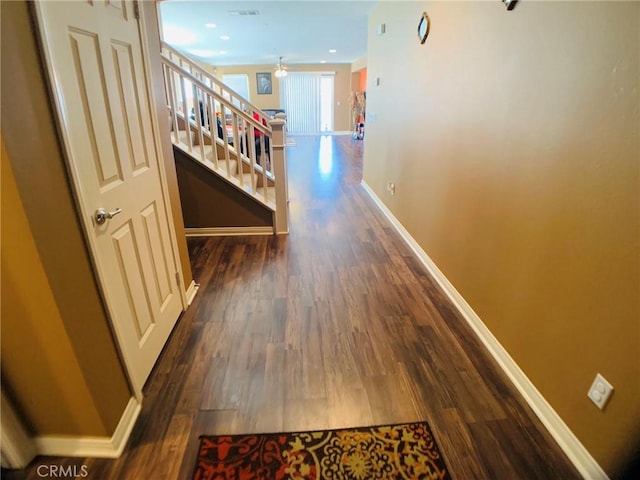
<point x="406" y="451"/>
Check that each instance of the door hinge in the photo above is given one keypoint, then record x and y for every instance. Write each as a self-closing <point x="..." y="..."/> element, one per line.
<point x="136" y="9"/>
<point x="177" y="279"/>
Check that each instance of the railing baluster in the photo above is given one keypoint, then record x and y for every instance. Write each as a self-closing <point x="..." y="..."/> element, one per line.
<point x="185" y="113"/>
<point x="242" y="127"/>
<point x="165" y="75"/>
<point x="252" y="157"/>
<point x="198" y="113"/>
<point x="227" y="154"/>
<point x="234" y="122"/>
<point x="213" y="119"/>
<point x="270" y="153"/>
<point x="223" y="121"/>
<point x="172" y="102"/>
<point x="263" y="163"/>
<point x="252" y="130"/>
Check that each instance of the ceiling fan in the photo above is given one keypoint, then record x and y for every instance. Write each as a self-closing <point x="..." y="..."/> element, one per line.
<point x="281" y="69"/>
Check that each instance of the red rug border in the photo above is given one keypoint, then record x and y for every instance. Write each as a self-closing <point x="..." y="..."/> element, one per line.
<point x="200" y="437"/>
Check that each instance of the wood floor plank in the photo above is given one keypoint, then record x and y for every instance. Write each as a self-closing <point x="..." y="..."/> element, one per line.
<point x="173" y="446"/>
<point x="462" y="454"/>
<point x="336" y="325"/>
<point x="303" y="415"/>
<point x="389" y="399"/>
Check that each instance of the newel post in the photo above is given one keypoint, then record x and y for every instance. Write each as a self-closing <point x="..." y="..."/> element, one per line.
<point x="279" y="164"/>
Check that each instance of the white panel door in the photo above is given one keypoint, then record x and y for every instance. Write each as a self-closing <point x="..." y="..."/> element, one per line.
<point x="94" y="56"/>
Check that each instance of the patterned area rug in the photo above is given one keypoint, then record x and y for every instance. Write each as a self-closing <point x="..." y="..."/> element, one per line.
<point x="406" y="451"/>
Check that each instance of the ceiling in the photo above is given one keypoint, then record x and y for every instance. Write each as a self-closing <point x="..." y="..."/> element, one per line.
<point x="300" y="31"/>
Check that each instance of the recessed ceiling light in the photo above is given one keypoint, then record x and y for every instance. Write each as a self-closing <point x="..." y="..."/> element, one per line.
<point x="333" y="50"/>
<point x="210" y="25"/>
<point x="323" y="61"/>
<point x="225" y="37"/>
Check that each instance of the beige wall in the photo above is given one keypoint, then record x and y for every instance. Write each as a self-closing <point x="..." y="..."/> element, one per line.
<point x="513" y="140"/>
<point x="39" y="366"/>
<point x="58" y="354"/>
<point x="342" y="87"/>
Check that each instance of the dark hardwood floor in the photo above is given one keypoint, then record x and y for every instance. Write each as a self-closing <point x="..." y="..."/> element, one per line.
<point x="334" y="325"/>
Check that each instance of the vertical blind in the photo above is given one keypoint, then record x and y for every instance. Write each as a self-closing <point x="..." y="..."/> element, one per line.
<point x="300" y="96"/>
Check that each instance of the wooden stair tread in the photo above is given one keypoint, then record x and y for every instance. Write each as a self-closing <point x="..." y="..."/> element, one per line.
<point x="221" y="170"/>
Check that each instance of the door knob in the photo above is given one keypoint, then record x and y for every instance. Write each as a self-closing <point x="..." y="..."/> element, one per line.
<point x="102" y="215"/>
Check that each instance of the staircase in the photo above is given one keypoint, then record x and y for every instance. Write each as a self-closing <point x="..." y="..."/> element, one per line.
<point x="227" y="134"/>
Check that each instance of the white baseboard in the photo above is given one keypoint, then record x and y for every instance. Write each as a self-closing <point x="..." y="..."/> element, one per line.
<point x="96" y="447"/>
<point x="568" y="442"/>
<point x="228" y="231"/>
<point x="191" y="291"/>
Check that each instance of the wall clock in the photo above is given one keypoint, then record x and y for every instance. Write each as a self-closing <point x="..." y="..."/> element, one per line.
<point x="423" y="27"/>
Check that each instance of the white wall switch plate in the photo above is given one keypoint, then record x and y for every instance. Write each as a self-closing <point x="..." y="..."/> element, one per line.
<point x="600" y="391"/>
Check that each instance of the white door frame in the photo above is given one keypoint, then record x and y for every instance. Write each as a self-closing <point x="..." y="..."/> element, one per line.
<point x="160" y="131"/>
<point x="85" y="216"/>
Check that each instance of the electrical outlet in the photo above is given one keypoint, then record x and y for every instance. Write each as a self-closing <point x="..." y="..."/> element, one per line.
<point x="391" y="187"/>
<point x="600" y="391"/>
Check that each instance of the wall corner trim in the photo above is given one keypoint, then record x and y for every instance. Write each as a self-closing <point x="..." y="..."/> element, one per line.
<point x="18" y="448"/>
<point x="99" y="447"/>
<point x="191" y="291"/>
<point x="568" y="442"/>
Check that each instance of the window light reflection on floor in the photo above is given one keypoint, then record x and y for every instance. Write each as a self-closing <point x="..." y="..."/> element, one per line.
<point x="325" y="156"/>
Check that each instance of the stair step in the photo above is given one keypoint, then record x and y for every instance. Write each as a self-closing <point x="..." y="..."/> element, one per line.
<point x="182" y="138"/>
<point x="231" y="175"/>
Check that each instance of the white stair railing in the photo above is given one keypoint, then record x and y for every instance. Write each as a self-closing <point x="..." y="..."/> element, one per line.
<point x="207" y="78"/>
<point x="226" y="133"/>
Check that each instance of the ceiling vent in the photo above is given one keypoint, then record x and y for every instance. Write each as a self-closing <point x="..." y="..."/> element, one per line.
<point x="244" y="13"/>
